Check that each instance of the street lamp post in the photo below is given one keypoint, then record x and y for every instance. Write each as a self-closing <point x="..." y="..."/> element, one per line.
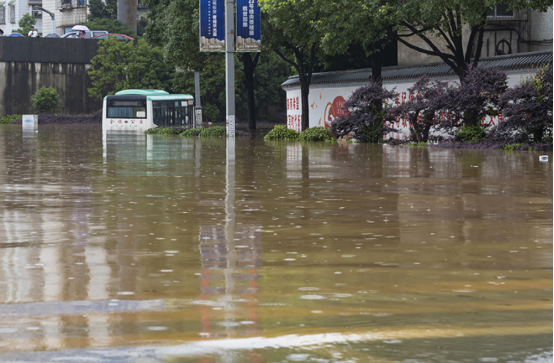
<point x="49" y="13"/>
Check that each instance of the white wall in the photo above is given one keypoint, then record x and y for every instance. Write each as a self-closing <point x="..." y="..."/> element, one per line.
<point x="326" y="100"/>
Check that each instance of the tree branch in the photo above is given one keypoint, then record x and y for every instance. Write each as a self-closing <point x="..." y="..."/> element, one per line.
<point x="278" y="52"/>
<point x="447" y="58"/>
<point x="449" y="44"/>
<point x="479" y="46"/>
<point x="415" y="32"/>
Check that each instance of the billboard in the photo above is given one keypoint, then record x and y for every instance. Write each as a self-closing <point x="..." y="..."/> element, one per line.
<point x="248" y="26"/>
<point x="212" y="25"/>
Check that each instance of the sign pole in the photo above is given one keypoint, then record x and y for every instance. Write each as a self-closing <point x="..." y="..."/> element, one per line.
<point x="198" y="108"/>
<point x="230" y="66"/>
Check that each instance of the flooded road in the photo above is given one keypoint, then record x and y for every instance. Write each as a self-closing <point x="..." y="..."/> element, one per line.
<point x="137" y="248"/>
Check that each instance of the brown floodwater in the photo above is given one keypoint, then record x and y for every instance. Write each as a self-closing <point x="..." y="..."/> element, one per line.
<point x="134" y="248"/>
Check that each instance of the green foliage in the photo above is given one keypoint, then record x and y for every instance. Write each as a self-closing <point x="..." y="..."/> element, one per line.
<point x="471" y="134"/>
<point x="417" y="144"/>
<point x="174" y="27"/>
<point x="46" y="100"/>
<point x="212" y="84"/>
<point x="9" y="118"/>
<point x="100" y="10"/>
<point x="124" y="65"/>
<point x="317" y="133"/>
<point x="164" y="131"/>
<point x="212" y="131"/>
<point x="141" y="25"/>
<point x="25" y="24"/>
<point x="110" y="25"/>
<point x="281" y="132"/>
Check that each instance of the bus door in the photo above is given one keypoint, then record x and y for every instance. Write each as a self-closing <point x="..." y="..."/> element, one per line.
<point x="170" y="114"/>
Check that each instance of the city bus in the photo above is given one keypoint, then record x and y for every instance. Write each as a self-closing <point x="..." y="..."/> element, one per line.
<point x="143" y="109"/>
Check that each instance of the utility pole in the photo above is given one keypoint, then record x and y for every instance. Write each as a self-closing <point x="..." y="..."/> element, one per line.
<point x="230" y="66"/>
<point x="127" y="13"/>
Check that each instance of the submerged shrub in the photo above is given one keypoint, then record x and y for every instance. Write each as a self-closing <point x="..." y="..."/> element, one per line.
<point x="427" y="99"/>
<point x="281" y="132"/>
<point x="527" y="108"/>
<point x="46" y="100"/>
<point x="212" y="131"/>
<point x="9" y="118"/>
<point x="164" y="131"/>
<point x="471" y="134"/>
<point x="478" y="95"/>
<point x="318" y="133"/>
<point x="364" y="117"/>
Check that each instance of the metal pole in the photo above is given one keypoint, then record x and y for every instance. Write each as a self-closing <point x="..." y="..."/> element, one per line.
<point x="230" y="66"/>
<point x="198" y="107"/>
<point x="197" y="88"/>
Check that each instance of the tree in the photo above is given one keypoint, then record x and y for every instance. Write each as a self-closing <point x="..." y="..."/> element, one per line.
<point x="25" y="24"/>
<point x="442" y="22"/>
<point x="99" y="9"/>
<point x="367" y="23"/>
<point x="124" y="65"/>
<point x="110" y="25"/>
<point x="292" y="34"/>
<point x="362" y="118"/>
<point x="174" y="27"/>
<point x="46" y="100"/>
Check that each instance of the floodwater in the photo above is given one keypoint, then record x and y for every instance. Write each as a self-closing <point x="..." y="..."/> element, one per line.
<point x="134" y="248"/>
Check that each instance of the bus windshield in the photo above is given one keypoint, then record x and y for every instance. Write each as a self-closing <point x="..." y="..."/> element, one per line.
<point x="126" y="109"/>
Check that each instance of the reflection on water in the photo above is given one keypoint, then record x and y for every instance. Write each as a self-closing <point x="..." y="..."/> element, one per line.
<point x="115" y="246"/>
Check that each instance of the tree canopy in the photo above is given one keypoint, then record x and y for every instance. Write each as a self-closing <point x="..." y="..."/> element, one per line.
<point x="99" y="9"/>
<point x="25" y="24"/>
<point x="123" y="65"/>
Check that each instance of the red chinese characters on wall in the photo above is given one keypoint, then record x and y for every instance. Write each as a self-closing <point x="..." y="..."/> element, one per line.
<point x="293" y="103"/>
<point x="294" y="122"/>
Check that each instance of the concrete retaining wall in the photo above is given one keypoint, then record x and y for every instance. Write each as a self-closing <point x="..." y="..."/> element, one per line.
<point x="27" y="64"/>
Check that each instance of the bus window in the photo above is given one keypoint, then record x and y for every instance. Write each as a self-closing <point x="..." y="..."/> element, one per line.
<point x="126" y="109"/>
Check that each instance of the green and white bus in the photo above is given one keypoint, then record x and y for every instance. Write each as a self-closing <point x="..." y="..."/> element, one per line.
<point x="143" y="109"/>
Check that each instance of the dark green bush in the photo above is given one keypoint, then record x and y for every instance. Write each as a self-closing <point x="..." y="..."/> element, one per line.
<point x="165" y="131"/>
<point x="281" y="132"/>
<point x="212" y="131"/>
<point x="9" y="118"/>
<point x="46" y="100"/>
<point x="318" y="133"/>
<point x="471" y="134"/>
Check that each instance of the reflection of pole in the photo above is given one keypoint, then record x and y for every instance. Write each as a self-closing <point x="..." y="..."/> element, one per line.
<point x="230" y="229"/>
<point x="230" y="65"/>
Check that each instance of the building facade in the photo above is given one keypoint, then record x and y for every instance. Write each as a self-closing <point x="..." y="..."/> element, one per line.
<point x="11" y="11"/>
<point x="506" y="33"/>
